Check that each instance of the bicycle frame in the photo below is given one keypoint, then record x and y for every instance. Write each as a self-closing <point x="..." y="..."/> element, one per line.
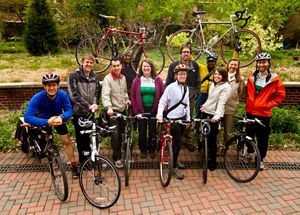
<point x="113" y="31"/>
<point x="165" y="136"/>
<point x="201" y="34"/>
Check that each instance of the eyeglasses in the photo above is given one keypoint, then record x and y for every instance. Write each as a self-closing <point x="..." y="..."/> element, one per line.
<point x="186" y="52"/>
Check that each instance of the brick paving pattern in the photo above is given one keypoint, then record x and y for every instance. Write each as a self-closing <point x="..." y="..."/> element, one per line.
<point x="271" y="192"/>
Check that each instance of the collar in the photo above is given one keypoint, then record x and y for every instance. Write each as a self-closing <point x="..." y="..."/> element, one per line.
<point x="115" y="76"/>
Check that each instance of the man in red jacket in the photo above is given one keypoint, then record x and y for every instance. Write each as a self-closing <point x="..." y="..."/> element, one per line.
<point x="265" y="91"/>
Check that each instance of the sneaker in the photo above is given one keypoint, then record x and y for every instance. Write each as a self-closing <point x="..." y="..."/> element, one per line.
<point x="152" y="155"/>
<point x="262" y="166"/>
<point x="143" y="155"/>
<point x="180" y="165"/>
<point x="119" y="164"/>
<point x="177" y="174"/>
<point x="75" y="173"/>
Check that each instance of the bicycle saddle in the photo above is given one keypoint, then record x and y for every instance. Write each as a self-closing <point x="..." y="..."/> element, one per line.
<point x="195" y="13"/>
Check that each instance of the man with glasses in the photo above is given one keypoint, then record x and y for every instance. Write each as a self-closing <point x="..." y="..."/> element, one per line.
<point x="193" y="83"/>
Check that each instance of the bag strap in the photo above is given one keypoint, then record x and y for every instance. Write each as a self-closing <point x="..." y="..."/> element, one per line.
<point x="208" y="75"/>
<point x="180" y="102"/>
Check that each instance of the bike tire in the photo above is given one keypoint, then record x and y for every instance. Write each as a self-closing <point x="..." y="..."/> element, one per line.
<point x="166" y="163"/>
<point x="150" y="52"/>
<point x="100" y="182"/>
<point x="128" y="160"/>
<point x="241" y="167"/>
<point x="173" y="46"/>
<point x="101" y="50"/>
<point x="59" y="177"/>
<point x="204" y="161"/>
<point x="249" y="43"/>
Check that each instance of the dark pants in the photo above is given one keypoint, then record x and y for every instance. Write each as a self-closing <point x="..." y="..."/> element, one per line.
<point x="82" y="140"/>
<point x="177" y="132"/>
<point x="212" y="139"/>
<point x="261" y="133"/>
<point x="201" y="99"/>
<point x="116" y="137"/>
<point x="147" y="127"/>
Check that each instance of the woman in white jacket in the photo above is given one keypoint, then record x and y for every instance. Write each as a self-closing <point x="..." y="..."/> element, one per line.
<point x="214" y="108"/>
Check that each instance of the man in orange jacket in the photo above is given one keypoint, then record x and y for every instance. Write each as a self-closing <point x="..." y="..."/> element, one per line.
<point x="265" y="91"/>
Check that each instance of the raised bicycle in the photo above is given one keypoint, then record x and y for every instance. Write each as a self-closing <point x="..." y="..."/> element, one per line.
<point x="116" y="42"/>
<point x="242" y="41"/>
<point x="241" y="155"/>
<point x="41" y="144"/>
<point x="99" y="179"/>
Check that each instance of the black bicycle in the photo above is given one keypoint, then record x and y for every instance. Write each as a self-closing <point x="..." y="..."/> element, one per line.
<point x="241" y="155"/>
<point x="202" y="130"/>
<point x="41" y="144"/>
<point x="99" y="179"/>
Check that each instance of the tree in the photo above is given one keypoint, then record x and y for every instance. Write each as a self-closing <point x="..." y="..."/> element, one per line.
<point x="40" y="35"/>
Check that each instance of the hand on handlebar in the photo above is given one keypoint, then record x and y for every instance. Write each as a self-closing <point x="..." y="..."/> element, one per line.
<point x="110" y="111"/>
<point x="215" y="119"/>
<point x="55" y="121"/>
<point x="93" y="107"/>
<point x="159" y="119"/>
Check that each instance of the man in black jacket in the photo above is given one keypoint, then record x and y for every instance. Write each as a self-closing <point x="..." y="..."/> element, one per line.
<point x="193" y="82"/>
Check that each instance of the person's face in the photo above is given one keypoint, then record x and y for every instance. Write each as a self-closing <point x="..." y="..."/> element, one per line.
<point x="116" y="67"/>
<point x="127" y="57"/>
<point x="185" y="54"/>
<point x="87" y="65"/>
<point x="181" y="76"/>
<point x="263" y="65"/>
<point x="233" y="66"/>
<point x="51" y="89"/>
<point x="211" y="64"/>
<point x="217" y="77"/>
<point x="146" y="68"/>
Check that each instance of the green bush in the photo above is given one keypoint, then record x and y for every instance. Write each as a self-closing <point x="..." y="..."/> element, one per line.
<point x="285" y="120"/>
<point x="40" y="35"/>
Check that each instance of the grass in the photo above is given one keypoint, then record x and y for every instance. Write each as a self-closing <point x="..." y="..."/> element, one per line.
<point x="16" y="65"/>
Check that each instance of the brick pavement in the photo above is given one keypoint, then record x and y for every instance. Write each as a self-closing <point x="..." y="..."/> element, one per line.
<point x="272" y="192"/>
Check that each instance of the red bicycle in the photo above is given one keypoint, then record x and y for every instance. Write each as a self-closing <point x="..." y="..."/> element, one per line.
<point x="116" y="42"/>
<point x="166" y="152"/>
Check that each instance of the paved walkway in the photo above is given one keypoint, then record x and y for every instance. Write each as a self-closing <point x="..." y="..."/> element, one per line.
<point x="272" y="192"/>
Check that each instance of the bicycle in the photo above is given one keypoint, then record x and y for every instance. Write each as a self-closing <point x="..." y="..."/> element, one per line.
<point x="41" y="144"/>
<point x="241" y="155"/>
<point x="105" y="47"/>
<point x="203" y="129"/>
<point x="243" y="41"/>
<point x="99" y="179"/>
<point x="166" y="151"/>
<point x="127" y="140"/>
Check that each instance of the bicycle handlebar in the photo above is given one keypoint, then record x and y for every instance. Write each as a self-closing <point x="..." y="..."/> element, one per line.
<point x="239" y="15"/>
<point x="248" y="121"/>
<point x="182" y="122"/>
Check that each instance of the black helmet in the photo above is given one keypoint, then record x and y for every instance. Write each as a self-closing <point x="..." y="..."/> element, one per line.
<point x="263" y="56"/>
<point x="50" y="78"/>
<point x="211" y="57"/>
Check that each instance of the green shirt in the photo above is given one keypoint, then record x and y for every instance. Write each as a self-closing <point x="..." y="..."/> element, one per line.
<point x="147" y="91"/>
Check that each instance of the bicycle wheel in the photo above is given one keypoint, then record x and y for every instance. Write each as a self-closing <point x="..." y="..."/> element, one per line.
<point x="204" y="161"/>
<point x="128" y="160"/>
<point x="152" y="53"/>
<point x="248" y="44"/>
<point x="166" y="163"/>
<point x="101" y="51"/>
<point x="182" y="37"/>
<point x="100" y="182"/>
<point x="59" y="177"/>
<point x="242" y="159"/>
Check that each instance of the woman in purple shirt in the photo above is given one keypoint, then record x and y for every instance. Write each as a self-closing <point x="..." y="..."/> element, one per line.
<point x="146" y="90"/>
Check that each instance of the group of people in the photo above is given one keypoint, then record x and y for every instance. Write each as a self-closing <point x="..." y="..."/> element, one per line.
<point x="212" y="92"/>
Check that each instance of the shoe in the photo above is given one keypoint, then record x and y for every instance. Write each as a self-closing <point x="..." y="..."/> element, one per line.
<point x="75" y="173"/>
<point x="177" y="174"/>
<point x="212" y="166"/>
<point x="262" y="166"/>
<point x="143" y="155"/>
<point x="119" y="164"/>
<point x="190" y="147"/>
<point x="180" y="165"/>
<point x="152" y="155"/>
